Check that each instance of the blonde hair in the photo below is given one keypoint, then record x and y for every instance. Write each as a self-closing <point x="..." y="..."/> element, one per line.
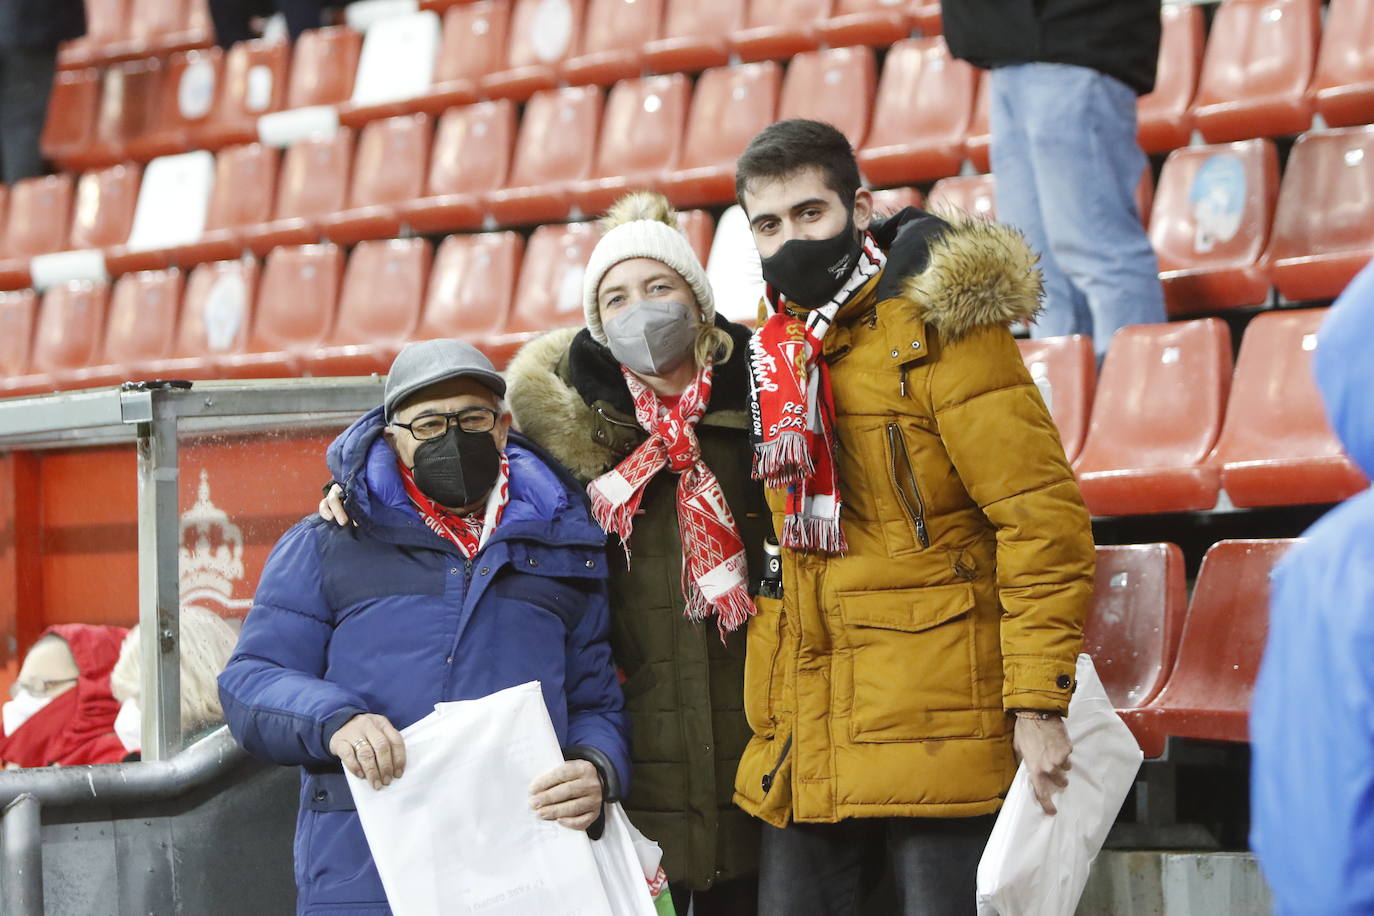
<point x="207" y="641"/>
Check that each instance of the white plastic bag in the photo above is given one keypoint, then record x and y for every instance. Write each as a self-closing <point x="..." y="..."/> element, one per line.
<point x="622" y="858"/>
<point x="1036" y="864"/>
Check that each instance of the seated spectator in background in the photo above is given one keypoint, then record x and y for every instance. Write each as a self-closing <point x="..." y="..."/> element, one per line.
<point x="62" y="711"/>
<point x="1312" y="722"/>
<point x="474" y="566"/>
<point x="207" y="641"/>
<point x="29" y="33"/>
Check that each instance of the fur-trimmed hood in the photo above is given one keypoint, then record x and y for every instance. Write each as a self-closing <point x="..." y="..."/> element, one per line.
<point x="565" y="390"/>
<point x="959" y="272"/>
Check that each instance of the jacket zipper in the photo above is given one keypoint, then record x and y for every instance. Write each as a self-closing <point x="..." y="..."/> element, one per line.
<point x="610" y="419"/>
<point x="771" y="774"/>
<point x="917" y="513"/>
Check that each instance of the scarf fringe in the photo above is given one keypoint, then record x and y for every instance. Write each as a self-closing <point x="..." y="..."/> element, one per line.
<point x="613" y="519"/>
<point x="731" y="609"/>
<point x="784" y="461"/>
<point x="824" y="535"/>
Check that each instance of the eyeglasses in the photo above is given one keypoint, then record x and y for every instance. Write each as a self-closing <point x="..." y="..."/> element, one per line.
<point x="469" y="420"/>
<point x="39" y="688"/>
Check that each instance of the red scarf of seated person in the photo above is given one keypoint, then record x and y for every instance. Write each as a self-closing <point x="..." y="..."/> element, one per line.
<point x="78" y="726"/>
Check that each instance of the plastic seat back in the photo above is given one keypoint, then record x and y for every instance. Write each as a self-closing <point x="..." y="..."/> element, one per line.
<point x="1065" y="371"/>
<point x="128" y="105"/>
<point x="143" y="317"/>
<point x="254" y="84"/>
<point x="297" y="298"/>
<point x="323" y="65"/>
<point x="104" y="211"/>
<point x="1222" y="641"/>
<point x="18" y="316"/>
<point x="1162" y="115"/>
<point x="1210" y="225"/>
<point x="799" y="16"/>
<point x="152" y="19"/>
<point x="974" y="195"/>
<point x="557" y="139"/>
<point x="731" y="104"/>
<point x="189" y="86"/>
<point x="694" y="34"/>
<point x="40" y="211"/>
<point x="544" y="33"/>
<point x="314" y="176"/>
<point x="1139" y="602"/>
<point x="549" y="291"/>
<point x="643" y="127"/>
<point x="1324" y="220"/>
<point x="734" y="270"/>
<point x="383" y="289"/>
<point x="71" y="322"/>
<point x="398" y="58"/>
<point x="474" y="40"/>
<point x="72" y="109"/>
<point x="835" y="86"/>
<point x="245" y="179"/>
<point x="107" y="23"/>
<point x="1277" y="447"/>
<point x="390" y="163"/>
<point x="1160" y="398"/>
<point x="471" y="286"/>
<point x="1344" y="80"/>
<point x="1259" y="60"/>
<point x="173" y="201"/>
<point x="472" y="148"/>
<point x="620" y="26"/>
<point x="217" y="309"/>
<point x="893" y="200"/>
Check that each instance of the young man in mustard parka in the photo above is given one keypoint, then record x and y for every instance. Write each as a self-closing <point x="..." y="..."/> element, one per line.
<point x="937" y="556"/>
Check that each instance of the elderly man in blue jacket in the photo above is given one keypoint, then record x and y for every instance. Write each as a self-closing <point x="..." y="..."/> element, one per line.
<point x="473" y="566"/>
<point x="1312" y="722"/>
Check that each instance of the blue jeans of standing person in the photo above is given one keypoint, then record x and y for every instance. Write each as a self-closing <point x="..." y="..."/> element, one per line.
<point x="839" y="869"/>
<point x="1067" y="162"/>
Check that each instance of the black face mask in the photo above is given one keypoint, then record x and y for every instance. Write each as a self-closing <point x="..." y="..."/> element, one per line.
<point x="458" y="468"/>
<point x="811" y="271"/>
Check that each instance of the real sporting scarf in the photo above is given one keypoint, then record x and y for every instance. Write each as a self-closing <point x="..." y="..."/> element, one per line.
<point x="467" y="532"/>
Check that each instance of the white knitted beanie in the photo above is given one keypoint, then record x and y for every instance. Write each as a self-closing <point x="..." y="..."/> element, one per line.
<point x="643" y="225"/>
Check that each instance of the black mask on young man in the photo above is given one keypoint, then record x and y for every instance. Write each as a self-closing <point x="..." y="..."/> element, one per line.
<point x="809" y="272"/>
<point x="457" y="469"/>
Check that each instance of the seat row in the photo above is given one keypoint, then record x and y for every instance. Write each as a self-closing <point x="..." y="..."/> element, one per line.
<point x="1174" y="667"/>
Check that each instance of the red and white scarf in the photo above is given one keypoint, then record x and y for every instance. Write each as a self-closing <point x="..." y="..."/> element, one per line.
<point x="467" y="532"/>
<point x="793" y="412"/>
<point x="714" y="573"/>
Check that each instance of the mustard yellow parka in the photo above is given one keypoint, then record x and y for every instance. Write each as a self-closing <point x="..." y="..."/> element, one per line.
<point x="878" y="686"/>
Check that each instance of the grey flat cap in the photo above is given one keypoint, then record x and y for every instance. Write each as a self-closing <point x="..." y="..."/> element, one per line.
<point x="428" y="362"/>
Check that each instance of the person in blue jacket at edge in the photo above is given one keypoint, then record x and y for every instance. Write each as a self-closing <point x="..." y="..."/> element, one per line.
<point x="474" y="566"/>
<point x="1312" y="722"/>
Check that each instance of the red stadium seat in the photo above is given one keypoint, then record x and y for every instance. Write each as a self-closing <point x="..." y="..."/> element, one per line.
<point x="835" y="86"/>
<point x="1065" y="371"/>
<point x="700" y="228"/>
<point x="613" y="42"/>
<point x="1157" y="414"/>
<point x="695" y="35"/>
<point x="1211" y="222"/>
<point x="1324" y="222"/>
<point x="1163" y="117"/>
<point x="777" y="29"/>
<point x="172" y="211"/>
<point x="978" y="146"/>
<point x="295" y="310"/>
<point x="1256" y="70"/>
<point x="216" y="313"/>
<point x="924" y="16"/>
<point x="1208" y="694"/>
<point x="104" y="211"/>
<point x="383" y="289"/>
<point x="389" y="169"/>
<point x="641" y="139"/>
<point x="395" y="68"/>
<point x="556" y="147"/>
<point x="473" y="44"/>
<point x="186" y="98"/>
<point x="864" y="22"/>
<point x="974" y="195"/>
<point x="313" y="183"/>
<point x="471" y="287"/>
<point x="72" y="108"/>
<point x="1276" y="447"/>
<point x="254" y="84"/>
<point x="730" y="106"/>
<point x="1139" y="605"/>
<point x="543" y="34"/>
<point x="893" y="200"/>
<point x="107" y="25"/>
<point x="1344" y="81"/>
<point x="141" y="329"/>
<point x="245" y="177"/>
<point x="71" y="321"/>
<point x="39" y="216"/>
<point x="128" y="109"/>
<point x="549" y="292"/>
<point x="18" y="316"/>
<point x="164" y="26"/>
<point x="921" y="116"/>
<point x="472" y="152"/>
<point x="324" y="64"/>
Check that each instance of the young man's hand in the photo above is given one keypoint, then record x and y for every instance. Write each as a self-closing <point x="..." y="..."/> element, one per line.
<point x="1044" y="747"/>
<point x="569" y="794"/>
<point x="370" y="748"/>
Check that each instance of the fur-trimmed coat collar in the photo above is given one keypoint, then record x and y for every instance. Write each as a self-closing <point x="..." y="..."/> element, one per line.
<point x="960" y="273"/>
<point x="567" y="393"/>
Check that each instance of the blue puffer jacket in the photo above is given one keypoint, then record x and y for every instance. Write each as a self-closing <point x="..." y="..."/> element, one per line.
<point x="1312" y="721"/>
<point x="389" y="618"/>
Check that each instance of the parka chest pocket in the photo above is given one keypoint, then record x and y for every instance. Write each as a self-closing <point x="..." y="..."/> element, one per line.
<point x="913" y="663"/>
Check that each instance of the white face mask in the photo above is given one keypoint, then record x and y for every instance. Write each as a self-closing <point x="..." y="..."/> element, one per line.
<point x="652" y="338"/>
<point x="21" y="709"/>
<point x="128" y="725"/>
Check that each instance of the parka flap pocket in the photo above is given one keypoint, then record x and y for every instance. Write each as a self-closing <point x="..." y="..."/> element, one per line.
<point x="908" y="609"/>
